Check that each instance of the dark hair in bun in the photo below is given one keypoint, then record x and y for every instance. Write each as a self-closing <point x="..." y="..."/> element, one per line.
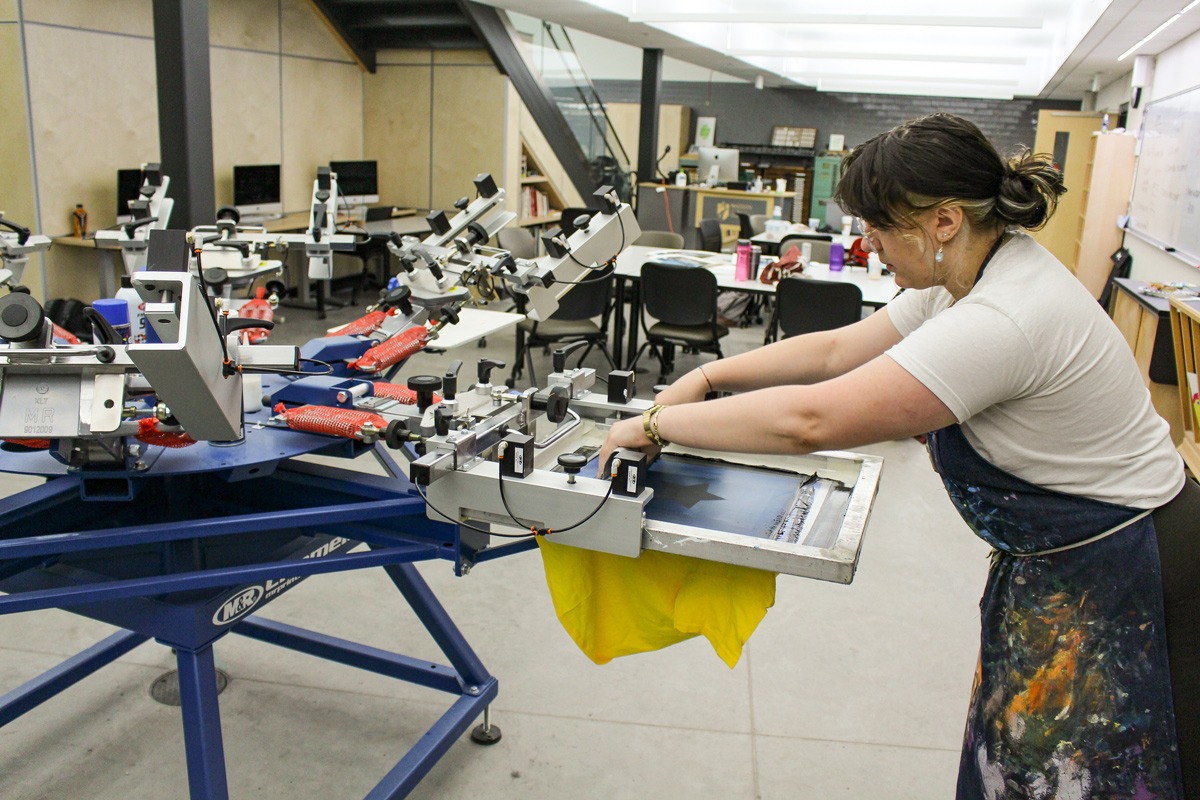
<point x="940" y="160"/>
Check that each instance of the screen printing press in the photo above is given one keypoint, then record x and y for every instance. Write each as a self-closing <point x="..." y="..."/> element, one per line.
<point x="175" y="508"/>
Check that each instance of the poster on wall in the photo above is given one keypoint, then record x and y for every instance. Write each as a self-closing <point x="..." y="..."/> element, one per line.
<point x="706" y="131"/>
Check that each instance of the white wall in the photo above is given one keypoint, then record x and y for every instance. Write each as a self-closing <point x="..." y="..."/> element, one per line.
<point x="1174" y="71"/>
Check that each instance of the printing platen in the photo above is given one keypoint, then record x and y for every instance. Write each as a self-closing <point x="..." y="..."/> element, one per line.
<point x="801" y="515"/>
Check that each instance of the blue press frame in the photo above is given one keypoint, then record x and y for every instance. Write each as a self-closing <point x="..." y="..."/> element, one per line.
<point x="346" y="508"/>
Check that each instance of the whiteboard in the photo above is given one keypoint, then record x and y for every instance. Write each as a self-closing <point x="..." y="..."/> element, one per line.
<point x="1165" y="209"/>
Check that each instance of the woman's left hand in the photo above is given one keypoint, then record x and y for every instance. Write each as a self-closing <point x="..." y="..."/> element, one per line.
<point x="626" y="433"/>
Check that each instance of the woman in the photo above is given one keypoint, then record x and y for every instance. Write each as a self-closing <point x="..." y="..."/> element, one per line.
<point x="1046" y="441"/>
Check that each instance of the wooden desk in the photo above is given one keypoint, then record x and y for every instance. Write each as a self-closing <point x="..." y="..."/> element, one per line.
<point x="1145" y="323"/>
<point x="299" y="220"/>
<point x="1185" y="329"/>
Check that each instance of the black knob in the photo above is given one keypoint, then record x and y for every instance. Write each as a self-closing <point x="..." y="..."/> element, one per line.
<point x="448" y="315"/>
<point x="424" y="386"/>
<point x="486" y="365"/>
<point x="441" y="420"/>
<point x="215" y="277"/>
<point x="21" y="318"/>
<point x="556" y="405"/>
<point x="450" y="380"/>
<point x="572" y="463"/>
<point x="395" y="434"/>
<point x="559" y="356"/>
<point x="230" y="213"/>
<point x="462" y="203"/>
<point x="400" y="297"/>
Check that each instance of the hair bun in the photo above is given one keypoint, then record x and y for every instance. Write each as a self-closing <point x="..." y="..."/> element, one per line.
<point x="1029" y="190"/>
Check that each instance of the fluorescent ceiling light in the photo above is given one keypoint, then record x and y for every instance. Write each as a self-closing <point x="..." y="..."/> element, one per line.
<point x="1158" y="30"/>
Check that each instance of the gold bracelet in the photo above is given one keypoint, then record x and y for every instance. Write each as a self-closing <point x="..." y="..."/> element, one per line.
<point x="654" y="426"/>
<point x="650" y="425"/>
<point x="704" y="375"/>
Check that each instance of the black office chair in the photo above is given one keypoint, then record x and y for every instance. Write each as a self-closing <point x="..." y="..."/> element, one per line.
<point x="574" y="321"/>
<point x="804" y="305"/>
<point x="683" y="300"/>
<point x="710" y="234"/>
<point x="820" y="242"/>
<point x="745" y="226"/>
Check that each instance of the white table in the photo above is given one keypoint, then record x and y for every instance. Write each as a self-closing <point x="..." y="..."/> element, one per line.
<point x="876" y="292"/>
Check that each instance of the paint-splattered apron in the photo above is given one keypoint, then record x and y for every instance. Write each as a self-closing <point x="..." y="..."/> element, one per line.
<point x="1072" y="698"/>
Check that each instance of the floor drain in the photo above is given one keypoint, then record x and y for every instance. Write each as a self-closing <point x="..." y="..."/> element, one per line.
<point x="165" y="688"/>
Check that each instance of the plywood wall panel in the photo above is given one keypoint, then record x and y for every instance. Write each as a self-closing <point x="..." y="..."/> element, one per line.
<point x="83" y="135"/>
<point x="16" y="188"/>
<point x="135" y="17"/>
<point x="246" y="114"/>
<point x="468" y="129"/>
<point x="248" y="24"/>
<point x="305" y="33"/>
<point x="322" y="120"/>
<point x="396" y="132"/>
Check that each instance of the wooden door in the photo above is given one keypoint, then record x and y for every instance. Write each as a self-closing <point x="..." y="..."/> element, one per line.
<point x="1067" y="135"/>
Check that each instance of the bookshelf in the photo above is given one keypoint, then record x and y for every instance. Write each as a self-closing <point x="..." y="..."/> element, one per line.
<point x="540" y="201"/>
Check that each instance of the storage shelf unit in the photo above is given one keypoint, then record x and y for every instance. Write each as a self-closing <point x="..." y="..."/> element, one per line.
<point x="540" y="201"/>
<point x="1107" y="183"/>
<point x="1185" y="327"/>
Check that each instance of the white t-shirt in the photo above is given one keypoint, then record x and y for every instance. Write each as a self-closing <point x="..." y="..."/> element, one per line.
<point x="1041" y="380"/>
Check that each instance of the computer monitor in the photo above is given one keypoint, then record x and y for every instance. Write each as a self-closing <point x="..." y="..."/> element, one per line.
<point x="358" y="181"/>
<point x="723" y="159"/>
<point x="129" y="182"/>
<point x="256" y="190"/>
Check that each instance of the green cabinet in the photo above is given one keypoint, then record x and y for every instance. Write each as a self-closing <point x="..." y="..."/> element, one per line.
<point x="827" y="171"/>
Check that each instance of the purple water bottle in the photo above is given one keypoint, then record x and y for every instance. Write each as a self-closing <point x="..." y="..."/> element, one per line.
<point x="837" y="257"/>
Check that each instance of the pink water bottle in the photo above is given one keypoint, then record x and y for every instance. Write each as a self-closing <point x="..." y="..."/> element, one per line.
<point x="741" y="271"/>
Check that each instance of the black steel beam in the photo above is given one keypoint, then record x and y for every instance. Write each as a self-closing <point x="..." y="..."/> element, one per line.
<point x="329" y="12"/>
<point x="426" y="38"/>
<point x="185" y="109"/>
<point x="648" y="155"/>
<point x="493" y="29"/>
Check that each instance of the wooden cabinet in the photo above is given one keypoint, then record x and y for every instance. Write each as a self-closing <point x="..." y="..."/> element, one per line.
<point x="1107" y="183"/>
<point x="1146" y="326"/>
<point x="540" y="201"/>
<point x="1185" y="329"/>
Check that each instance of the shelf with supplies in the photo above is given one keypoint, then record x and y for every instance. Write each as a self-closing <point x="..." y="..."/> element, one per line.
<point x="540" y="201"/>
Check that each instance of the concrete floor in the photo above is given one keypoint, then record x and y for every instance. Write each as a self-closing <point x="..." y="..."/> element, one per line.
<point x="843" y="692"/>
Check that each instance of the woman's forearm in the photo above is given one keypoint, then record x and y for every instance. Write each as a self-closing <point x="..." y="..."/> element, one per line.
<point x="806" y="359"/>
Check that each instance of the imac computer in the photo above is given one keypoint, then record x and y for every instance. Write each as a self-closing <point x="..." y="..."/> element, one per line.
<point x="129" y="184"/>
<point x="256" y="191"/>
<point x="717" y="165"/>
<point x="358" y="183"/>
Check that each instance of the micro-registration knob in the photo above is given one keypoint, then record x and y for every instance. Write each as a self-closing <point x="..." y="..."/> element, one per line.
<point x="572" y="464"/>
<point x="424" y="386"/>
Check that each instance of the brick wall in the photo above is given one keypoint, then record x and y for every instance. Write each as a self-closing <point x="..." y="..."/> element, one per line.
<point x="747" y="115"/>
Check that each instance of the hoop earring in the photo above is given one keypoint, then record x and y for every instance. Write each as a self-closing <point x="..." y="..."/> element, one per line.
<point x="939" y="255"/>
